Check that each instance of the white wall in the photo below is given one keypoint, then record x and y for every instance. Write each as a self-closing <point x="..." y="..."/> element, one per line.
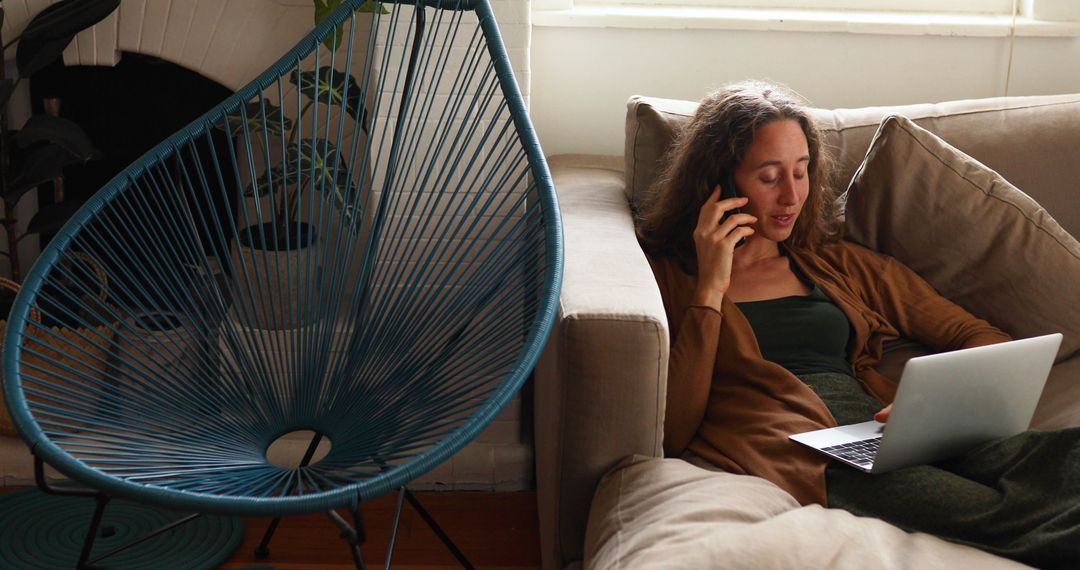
<point x="583" y="76"/>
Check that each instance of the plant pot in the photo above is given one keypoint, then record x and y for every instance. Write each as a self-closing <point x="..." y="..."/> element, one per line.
<point x="153" y="351"/>
<point x="272" y="276"/>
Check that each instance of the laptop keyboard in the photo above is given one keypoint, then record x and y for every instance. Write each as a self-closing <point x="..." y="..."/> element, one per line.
<point x="860" y="452"/>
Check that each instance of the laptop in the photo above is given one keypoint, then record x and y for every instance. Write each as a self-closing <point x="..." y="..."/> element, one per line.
<point x="946" y="404"/>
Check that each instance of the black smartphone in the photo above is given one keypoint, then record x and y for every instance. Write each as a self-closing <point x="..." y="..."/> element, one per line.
<point x="728" y="190"/>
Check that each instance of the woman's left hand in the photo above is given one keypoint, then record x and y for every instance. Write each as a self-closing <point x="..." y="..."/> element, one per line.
<point x="883" y="415"/>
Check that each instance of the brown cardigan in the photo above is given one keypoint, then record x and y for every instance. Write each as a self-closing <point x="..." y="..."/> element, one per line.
<point x="729" y="405"/>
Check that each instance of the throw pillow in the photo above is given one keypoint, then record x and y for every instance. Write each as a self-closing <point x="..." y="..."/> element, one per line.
<point x="975" y="237"/>
<point x="651" y="126"/>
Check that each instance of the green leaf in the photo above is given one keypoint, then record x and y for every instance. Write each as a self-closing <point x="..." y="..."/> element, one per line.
<point x="253" y="114"/>
<point x="328" y="85"/>
<point x="370" y="6"/>
<point x="323" y="9"/>
<point x="68" y="17"/>
<point x="310" y="164"/>
<point x="58" y="131"/>
<point x="315" y="163"/>
<point x="52" y="29"/>
<point x="322" y="164"/>
<point x="31" y="56"/>
<point x="41" y="165"/>
<point x="344" y="198"/>
<point x="7" y="88"/>
<point x="53" y="217"/>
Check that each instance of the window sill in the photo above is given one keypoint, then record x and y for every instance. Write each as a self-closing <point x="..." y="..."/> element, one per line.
<point x="895" y="23"/>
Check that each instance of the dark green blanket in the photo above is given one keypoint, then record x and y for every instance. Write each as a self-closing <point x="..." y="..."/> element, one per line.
<point x="1017" y="497"/>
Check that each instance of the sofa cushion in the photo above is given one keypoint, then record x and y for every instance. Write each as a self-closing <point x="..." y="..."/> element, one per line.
<point x="976" y="238"/>
<point x="667" y="513"/>
<point x="651" y="126"/>
<point x="1058" y="405"/>
<point x="1031" y="141"/>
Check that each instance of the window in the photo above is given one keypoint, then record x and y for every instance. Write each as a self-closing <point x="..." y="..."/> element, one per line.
<point x="983" y="18"/>
<point x="997" y="7"/>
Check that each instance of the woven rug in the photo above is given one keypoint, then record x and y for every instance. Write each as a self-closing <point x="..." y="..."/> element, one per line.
<point x="46" y="531"/>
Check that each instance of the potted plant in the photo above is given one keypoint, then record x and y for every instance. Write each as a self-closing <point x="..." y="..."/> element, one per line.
<point x="46" y="144"/>
<point x="275" y="257"/>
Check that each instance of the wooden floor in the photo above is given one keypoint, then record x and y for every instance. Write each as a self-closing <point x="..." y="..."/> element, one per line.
<point x="494" y="530"/>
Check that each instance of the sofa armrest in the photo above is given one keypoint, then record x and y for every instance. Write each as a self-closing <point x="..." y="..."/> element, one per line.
<point x="600" y="384"/>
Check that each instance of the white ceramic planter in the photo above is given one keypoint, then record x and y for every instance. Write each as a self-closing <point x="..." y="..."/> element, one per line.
<point x="152" y="352"/>
<point x="271" y="283"/>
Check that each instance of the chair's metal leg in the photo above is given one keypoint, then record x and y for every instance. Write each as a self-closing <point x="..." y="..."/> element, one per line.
<point x="91" y="532"/>
<point x="262" y="551"/>
<point x="95" y="522"/>
<point x="397" y="524"/>
<point x="147" y="536"/>
<point x="361" y="536"/>
<point x="354" y="535"/>
<point x="101" y="500"/>
<point x="358" y="559"/>
<point x="438" y="530"/>
<point x="43" y="484"/>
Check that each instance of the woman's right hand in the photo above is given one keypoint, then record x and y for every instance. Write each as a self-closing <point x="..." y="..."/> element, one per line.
<point x="715" y="239"/>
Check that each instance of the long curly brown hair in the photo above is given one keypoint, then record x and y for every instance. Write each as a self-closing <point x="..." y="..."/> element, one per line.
<point x="713" y="143"/>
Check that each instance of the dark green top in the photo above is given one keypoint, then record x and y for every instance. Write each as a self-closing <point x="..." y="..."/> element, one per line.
<point x="805" y="334"/>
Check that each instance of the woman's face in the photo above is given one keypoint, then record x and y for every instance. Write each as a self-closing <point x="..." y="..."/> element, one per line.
<point x="774" y="176"/>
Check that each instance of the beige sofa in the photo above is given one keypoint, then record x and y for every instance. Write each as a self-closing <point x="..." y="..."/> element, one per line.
<point x="606" y="498"/>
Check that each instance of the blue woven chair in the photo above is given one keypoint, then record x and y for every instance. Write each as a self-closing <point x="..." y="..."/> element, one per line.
<point x="363" y="243"/>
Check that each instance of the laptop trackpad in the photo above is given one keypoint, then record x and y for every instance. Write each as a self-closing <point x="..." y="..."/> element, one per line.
<point x="840" y="435"/>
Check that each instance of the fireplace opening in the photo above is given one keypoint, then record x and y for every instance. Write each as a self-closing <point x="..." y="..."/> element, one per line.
<point x="126" y="110"/>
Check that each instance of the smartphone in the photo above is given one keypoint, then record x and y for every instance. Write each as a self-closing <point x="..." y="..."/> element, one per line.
<point x="728" y="190"/>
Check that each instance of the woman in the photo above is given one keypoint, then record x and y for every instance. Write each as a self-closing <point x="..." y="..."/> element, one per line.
<point x="777" y="325"/>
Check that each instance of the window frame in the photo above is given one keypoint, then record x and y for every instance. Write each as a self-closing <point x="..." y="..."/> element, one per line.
<point x="974" y="7"/>
<point x="1034" y="18"/>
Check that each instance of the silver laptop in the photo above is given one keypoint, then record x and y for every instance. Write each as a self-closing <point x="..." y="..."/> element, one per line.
<point x="946" y="404"/>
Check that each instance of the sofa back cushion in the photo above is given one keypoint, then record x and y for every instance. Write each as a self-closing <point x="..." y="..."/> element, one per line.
<point x="1031" y="141"/>
<point x="977" y="239"/>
